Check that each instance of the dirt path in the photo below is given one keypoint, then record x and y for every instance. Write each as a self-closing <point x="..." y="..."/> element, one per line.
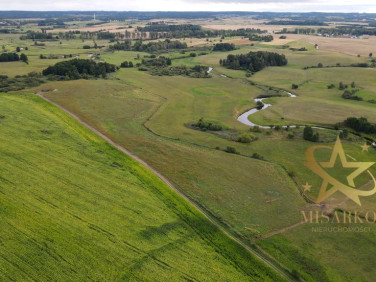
<point x="280" y="231"/>
<point x="165" y="180"/>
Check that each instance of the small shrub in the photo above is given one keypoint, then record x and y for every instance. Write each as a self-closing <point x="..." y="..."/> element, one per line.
<point x="208" y="125"/>
<point x="231" y="150"/>
<point x="245" y="138"/>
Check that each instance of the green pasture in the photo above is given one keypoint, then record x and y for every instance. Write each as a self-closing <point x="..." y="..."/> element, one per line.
<point x="74" y="208"/>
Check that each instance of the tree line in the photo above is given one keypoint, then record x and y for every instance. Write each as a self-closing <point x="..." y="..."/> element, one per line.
<point x="360" y="125"/>
<point x="13" y="57"/>
<point x="148" y="47"/>
<point x="79" y="68"/>
<point x="224" y="47"/>
<point x="256" y="37"/>
<point x="298" y="31"/>
<point x="292" y="22"/>
<point x="254" y="61"/>
<point x="37" y="35"/>
<point x="345" y="30"/>
<point x="162" y="30"/>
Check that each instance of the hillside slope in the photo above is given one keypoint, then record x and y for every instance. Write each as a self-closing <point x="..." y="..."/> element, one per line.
<point x="72" y="207"/>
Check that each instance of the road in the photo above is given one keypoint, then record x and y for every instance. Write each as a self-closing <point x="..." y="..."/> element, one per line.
<point x="165" y="180"/>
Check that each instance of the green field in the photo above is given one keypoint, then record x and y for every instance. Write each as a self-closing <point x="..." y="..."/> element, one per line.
<point x="125" y="233"/>
<point x="75" y="208"/>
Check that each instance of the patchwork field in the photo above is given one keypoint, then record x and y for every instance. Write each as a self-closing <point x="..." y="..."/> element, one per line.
<point x="74" y="207"/>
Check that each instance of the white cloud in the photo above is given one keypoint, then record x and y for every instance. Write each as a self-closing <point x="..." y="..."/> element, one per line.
<point x="194" y="5"/>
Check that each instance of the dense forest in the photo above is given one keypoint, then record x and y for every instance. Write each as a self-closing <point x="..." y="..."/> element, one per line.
<point x="79" y="68"/>
<point x="224" y="47"/>
<point x="150" y="46"/>
<point x="9" y="57"/>
<point x="256" y="37"/>
<point x="13" y="57"/>
<point x="360" y="125"/>
<point x="254" y="61"/>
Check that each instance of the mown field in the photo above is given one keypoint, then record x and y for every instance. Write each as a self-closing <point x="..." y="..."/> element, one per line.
<point x="74" y="208"/>
<point x="251" y="197"/>
<point x="325" y="256"/>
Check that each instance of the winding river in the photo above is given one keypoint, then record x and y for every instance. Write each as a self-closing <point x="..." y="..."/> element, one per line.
<point x="243" y="118"/>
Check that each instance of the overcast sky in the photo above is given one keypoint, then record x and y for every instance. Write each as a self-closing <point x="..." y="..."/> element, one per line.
<point x="368" y="6"/>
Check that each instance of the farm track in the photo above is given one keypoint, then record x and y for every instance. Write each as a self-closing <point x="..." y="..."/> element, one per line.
<point x="166" y="181"/>
<point x="283" y="230"/>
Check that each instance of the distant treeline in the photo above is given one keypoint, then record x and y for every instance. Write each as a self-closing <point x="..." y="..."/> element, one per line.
<point x="354" y="31"/>
<point x="13" y="57"/>
<point x="141" y="33"/>
<point x="254" y="61"/>
<point x="256" y="37"/>
<point x="162" y="30"/>
<point x="36" y="35"/>
<point x="224" y="47"/>
<point x="292" y="22"/>
<point x="298" y="31"/>
<point x="51" y="22"/>
<point x="79" y="68"/>
<point x="150" y="46"/>
<point x="337" y="31"/>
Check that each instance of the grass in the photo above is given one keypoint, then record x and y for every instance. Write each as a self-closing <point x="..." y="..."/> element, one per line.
<point x="325" y="256"/>
<point x="75" y="208"/>
<point x="194" y="169"/>
<point x="148" y="115"/>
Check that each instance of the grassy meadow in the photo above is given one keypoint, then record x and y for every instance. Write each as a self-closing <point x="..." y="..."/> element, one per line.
<point x="93" y="194"/>
<point x="75" y="208"/>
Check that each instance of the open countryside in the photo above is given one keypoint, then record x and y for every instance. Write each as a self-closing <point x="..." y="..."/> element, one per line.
<point x="172" y="146"/>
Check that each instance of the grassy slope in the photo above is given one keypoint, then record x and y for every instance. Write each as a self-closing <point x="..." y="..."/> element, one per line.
<point x="74" y="208"/>
<point x="326" y="256"/>
<point x="233" y="188"/>
<point x="193" y="170"/>
<point x="120" y="112"/>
